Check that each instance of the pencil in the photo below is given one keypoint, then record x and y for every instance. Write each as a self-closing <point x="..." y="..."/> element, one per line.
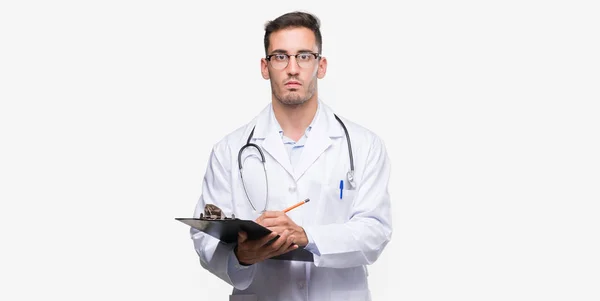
<point x="298" y="204"/>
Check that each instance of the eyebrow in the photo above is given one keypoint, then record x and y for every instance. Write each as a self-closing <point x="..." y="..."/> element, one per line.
<point x="285" y="51"/>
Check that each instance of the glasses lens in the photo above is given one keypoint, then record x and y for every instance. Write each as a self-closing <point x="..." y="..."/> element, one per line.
<point x="305" y="60"/>
<point x="279" y="61"/>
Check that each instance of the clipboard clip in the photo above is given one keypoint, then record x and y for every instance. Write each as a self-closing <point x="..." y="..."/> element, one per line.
<point x="212" y="212"/>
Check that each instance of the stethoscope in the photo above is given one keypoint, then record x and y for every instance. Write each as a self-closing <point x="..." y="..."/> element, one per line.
<point x="350" y="174"/>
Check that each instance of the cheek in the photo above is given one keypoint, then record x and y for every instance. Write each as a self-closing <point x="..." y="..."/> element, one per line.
<point x="311" y="83"/>
<point x="275" y="79"/>
<point x="312" y="77"/>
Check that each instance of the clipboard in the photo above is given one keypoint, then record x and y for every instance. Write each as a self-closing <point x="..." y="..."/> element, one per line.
<point x="226" y="230"/>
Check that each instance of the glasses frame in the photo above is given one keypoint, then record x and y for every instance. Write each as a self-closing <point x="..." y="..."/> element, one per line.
<point x="268" y="58"/>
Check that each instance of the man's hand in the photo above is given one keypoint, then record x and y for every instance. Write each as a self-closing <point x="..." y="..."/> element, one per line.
<point x="278" y="222"/>
<point x="252" y="251"/>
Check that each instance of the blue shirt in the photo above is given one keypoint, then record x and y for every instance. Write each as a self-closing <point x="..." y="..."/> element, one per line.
<point x="294" y="148"/>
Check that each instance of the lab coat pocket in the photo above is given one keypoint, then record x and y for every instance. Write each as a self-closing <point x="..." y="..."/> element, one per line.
<point x="337" y="204"/>
<point x="243" y="298"/>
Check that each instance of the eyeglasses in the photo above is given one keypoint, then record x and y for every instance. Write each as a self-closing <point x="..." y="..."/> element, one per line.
<point x="303" y="59"/>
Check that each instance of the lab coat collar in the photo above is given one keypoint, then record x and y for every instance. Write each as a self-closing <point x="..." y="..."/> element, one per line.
<point x="266" y="122"/>
<point x="324" y="128"/>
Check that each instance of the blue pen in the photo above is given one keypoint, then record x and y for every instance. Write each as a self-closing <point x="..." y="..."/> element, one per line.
<point x="341" y="188"/>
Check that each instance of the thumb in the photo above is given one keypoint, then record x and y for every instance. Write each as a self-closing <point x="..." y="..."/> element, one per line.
<point x="242" y="237"/>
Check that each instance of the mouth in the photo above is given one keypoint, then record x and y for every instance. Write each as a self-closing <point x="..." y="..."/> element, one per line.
<point x="293" y="84"/>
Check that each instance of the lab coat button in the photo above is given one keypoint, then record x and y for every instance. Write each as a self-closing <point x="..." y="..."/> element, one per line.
<point x="292" y="188"/>
<point x="301" y="284"/>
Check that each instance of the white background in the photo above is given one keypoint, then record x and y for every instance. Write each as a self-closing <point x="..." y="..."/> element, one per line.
<point x="489" y="110"/>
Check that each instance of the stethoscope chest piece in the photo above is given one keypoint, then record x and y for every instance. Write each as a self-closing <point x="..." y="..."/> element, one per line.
<point x="350" y="176"/>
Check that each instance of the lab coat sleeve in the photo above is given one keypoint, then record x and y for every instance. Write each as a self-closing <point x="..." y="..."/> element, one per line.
<point x="360" y="240"/>
<point x="216" y="256"/>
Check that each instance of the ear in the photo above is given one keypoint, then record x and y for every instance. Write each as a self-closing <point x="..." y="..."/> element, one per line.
<point x="322" y="68"/>
<point x="264" y="68"/>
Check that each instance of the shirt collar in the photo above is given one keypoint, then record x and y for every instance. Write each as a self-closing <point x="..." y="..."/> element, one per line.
<point x="306" y="132"/>
<point x="324" y="120"/>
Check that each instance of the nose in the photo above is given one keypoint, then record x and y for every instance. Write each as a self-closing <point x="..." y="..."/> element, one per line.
<point x="292" y="67"/>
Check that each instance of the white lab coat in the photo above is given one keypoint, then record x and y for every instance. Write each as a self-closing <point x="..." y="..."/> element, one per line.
<point x="350" y="233"/>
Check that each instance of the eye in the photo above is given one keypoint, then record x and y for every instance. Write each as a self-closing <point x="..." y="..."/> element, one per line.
<point x="280" y="57"/>
<point x="304" y="56"/>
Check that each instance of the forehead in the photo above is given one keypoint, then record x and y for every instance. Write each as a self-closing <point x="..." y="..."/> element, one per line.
<point x="292" y="40"/>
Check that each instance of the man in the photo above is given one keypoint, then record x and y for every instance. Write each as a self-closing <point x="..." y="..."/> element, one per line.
<point x="347" y="222"/>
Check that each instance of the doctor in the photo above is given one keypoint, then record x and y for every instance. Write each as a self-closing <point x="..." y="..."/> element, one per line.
<point x="307" y="154"/>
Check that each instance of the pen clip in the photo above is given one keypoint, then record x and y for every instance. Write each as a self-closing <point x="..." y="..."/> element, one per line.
<point x="341" y="188"/>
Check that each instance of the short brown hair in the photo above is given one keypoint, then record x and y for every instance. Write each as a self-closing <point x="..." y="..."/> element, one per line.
<point x="292" y="20"/>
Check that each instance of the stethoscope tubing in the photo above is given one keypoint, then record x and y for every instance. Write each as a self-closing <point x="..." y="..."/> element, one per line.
<point x="350" y="174"/>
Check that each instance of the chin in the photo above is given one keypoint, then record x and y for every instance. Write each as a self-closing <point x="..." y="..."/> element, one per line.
<point x="292" y="101"/>
<point x="292" y="98"/>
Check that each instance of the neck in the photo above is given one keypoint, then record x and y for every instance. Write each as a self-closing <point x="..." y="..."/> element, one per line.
<point x="294" y="119"/>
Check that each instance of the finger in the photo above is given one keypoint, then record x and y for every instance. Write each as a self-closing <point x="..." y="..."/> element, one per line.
<point x="259" y="243"/>
<point x="277" y="229"/>
<point x="269" y="220"/>
<point x="285" y="220"/>
<point x="285" y="247"/>
<point x="291" y="241"/>
<point x="274" y="221"/>
<point x="266" y="214"/>
<point x="272" y="214"/>
<point x="265" y="222"/>
<point x="291" y="248"/>
<point x="282" y="240"/>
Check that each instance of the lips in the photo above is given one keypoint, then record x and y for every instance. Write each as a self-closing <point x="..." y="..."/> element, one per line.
<point x="293" y="83"/>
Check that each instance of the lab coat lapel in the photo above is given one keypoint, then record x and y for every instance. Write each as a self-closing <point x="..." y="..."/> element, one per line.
<point x="324" y="128"/>
<point x="272" y="144"/>
<point x="317" y="142"/>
